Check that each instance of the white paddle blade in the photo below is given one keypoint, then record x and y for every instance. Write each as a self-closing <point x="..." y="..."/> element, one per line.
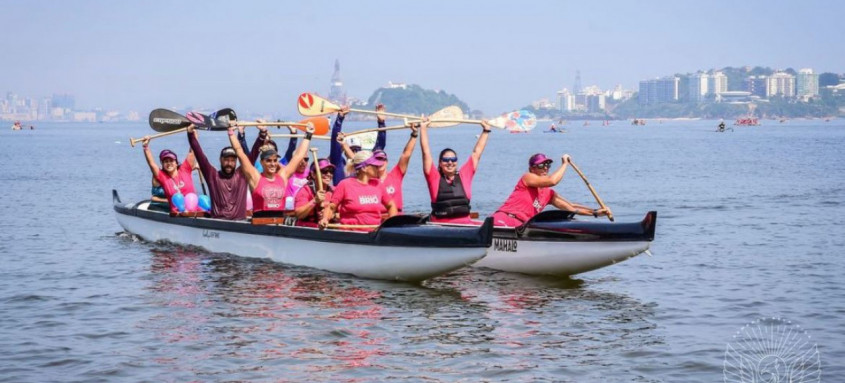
<point x="310" y="104"/>
<point x="453" y="112"/>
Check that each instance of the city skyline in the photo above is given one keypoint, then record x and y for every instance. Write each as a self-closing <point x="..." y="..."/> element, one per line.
<point x="493" y="55"/>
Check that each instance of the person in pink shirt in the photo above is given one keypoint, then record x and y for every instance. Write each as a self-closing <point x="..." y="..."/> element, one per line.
<point x="172" y="177"/>
<point x="298" y="179"/>
<point x="534" y="191"/>
<point x="392" y="180"/>
<point x="451" y="189"/>
<point x="310" y="201"/>
<point x="360" y="200"/>
<point x="269" y="186"/>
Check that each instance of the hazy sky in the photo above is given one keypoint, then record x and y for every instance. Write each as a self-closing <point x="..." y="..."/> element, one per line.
<point x="495" y="55"/>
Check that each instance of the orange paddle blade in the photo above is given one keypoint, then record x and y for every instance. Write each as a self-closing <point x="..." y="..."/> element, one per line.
<point x="321" y="125"/>
<point x="310" y="104"/>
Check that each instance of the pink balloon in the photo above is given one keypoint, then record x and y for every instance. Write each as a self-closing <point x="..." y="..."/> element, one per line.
<point x="248" y="200"/>
<point x="191" y="201"/>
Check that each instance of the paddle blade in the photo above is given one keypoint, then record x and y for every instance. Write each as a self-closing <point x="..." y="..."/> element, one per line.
<point x="516" y="121"/>
<point x="321" y="125"/>
<point x="453" y="112"/>
<point x="219" y="120"/>
<point x="163" y="120"/>
<point x="310" y="104"/>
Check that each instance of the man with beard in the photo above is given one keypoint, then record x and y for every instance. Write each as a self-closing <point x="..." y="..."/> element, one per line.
<point x="227" y="187"/>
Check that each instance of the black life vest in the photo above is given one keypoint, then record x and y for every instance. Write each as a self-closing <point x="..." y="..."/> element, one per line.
<point x="451" y="200"/>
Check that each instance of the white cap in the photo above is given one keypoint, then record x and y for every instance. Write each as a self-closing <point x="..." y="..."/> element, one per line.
<point x="353" y="141"/>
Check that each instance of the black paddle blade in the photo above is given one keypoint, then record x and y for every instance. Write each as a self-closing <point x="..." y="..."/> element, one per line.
<point x="219" y="120"/>
<point x="163" y="120"/>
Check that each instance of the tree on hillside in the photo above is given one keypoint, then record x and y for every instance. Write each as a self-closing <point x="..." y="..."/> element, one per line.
<point x="415" y="100"/>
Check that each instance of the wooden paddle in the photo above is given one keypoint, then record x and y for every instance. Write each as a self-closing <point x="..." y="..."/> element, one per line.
<point x="317" y="167"/>
<point x="310" y="104"/>
<point x="518" y="120"/>
<point x="342" y="226"/>
<point x="449" y="112"/>
<point x="593" y="191"/>
<point x="315" y="137"/>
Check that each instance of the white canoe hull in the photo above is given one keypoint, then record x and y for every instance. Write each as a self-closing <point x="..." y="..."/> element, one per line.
<point x="376" y="262"/>
<point x="557" y="258"/>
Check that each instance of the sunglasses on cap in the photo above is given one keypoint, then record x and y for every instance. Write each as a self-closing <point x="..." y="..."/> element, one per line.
<point x="544" y="165"/>
<point x="449" y="159"/>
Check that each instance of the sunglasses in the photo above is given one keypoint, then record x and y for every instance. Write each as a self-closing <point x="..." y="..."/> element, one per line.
<point x="449" y="159"/>
<point x="544" y="165"/>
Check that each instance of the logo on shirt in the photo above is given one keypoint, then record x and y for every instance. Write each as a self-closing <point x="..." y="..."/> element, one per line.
<point x="390" y="189"/>
<point x="368" y="200"/>
<point x="537" y="205"/>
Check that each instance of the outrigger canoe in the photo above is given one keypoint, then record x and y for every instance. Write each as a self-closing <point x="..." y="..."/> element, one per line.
<point x="554" y="243"/>
<point x="403" y="248"/>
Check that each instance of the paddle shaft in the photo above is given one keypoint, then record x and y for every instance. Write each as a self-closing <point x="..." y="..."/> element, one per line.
<point x="133" y="141"/>
<point x="377" y="130"/>
<point x="385" y="113"/>
<point x="317" y="167"/>
<point x="278" y="123"/>
<point x="593" y="191"/>
<point x="342" y="226"/>
<point x="313" y="137"/>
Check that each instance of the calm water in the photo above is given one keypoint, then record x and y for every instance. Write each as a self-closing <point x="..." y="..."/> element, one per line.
<point x="750" y="226"/>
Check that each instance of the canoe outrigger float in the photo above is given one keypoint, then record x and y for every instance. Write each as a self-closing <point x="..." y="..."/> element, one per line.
<point x="402" y="248"/>
<point x="553" y="243"/>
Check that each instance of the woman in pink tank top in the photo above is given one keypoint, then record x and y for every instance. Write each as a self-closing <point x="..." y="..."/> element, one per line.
<point x="269" y="186"/>
<point x="173" y="177"/>
<point x="534" y="191"/>
<point x="360" y="200"/>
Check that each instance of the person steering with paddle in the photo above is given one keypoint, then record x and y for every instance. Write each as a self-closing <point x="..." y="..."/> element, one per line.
<point x="450" y="189"/>
<point x="174" y="178"/>
<point x="269" y="186"/>
<point x="534" y="191"/>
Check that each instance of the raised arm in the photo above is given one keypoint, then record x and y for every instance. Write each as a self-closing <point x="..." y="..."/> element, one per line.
<point x="405" y="157"/>
<point x="537" y="181"/>
<point x="247" y="168"/>
<point x="148" y="155"/>
<point x="298" y="155"/>
<point x="346" y="149"/>
<point x="193" y="140"/>
<point x="480" y="144"/>
<point x="381" y="136"/>
<point x="291" y="147"/>
<point x="426" y="151"/>
<point x="335" y="149"/>
<point x="259" y="142"/>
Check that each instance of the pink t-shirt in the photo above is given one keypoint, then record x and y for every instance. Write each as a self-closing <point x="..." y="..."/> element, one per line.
<point x="359" y="204"/>
<point x="466" y="172"/>
<point x="393" y="186"/>
<point x="269" y="195"/>
<point x="304" y="197"/>
<point x="525" y="202"/>
<point x="182" y="183"/>
<point x="296" y="182"/>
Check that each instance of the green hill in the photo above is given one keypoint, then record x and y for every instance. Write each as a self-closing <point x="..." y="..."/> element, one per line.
<point x="414" y="100"/>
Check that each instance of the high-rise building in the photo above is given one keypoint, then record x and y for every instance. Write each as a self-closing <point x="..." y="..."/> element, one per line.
<point x="757" y="86"/>
<point x="657" y="91"/>
<point x="698" y="89"/>
<point x="781" y="84"/>
<point x="717" y="83"/>
<point x="595" y="103"/>
<point x="565" y="100"/>
<point x="336" y="93"/>
<point x="65" y="101"/>
<point x="807" y="83"/>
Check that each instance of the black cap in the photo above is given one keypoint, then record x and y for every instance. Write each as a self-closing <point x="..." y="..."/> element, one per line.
<point x="228" y="152"/>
